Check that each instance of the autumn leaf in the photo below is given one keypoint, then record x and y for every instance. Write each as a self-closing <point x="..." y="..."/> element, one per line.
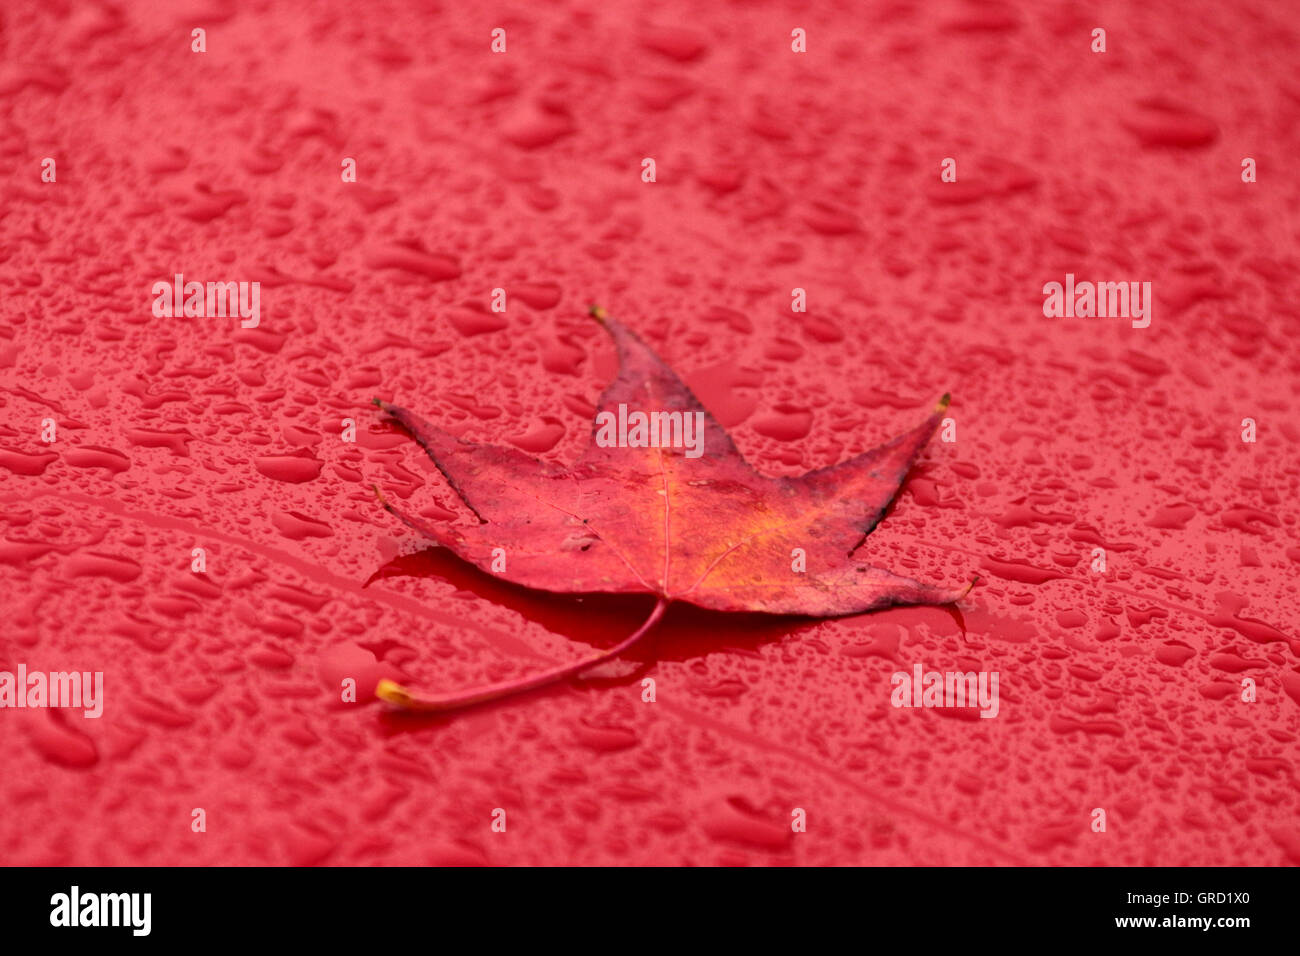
<point x="693" y="523"/>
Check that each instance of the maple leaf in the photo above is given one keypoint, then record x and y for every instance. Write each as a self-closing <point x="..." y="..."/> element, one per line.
<point x="708" y="530"/>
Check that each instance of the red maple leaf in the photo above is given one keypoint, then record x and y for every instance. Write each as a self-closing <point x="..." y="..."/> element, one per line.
<point x="686" y="520"/>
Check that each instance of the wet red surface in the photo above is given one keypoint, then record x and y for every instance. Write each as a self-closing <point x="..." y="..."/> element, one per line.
<point x="1120" y="690"/>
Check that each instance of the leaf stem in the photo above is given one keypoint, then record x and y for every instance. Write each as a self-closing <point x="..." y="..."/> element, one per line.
<point x="395" y="693"/>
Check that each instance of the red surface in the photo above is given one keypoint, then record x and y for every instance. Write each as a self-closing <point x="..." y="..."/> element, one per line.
<point x="522" y="171"/>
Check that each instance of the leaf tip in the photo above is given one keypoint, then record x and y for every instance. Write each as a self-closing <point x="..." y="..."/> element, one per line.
<point x="391" y="692"/>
